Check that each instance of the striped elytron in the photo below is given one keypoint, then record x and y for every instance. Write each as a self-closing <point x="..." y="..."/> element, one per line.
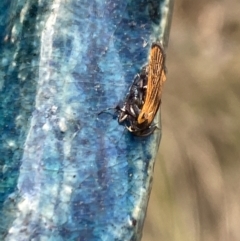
<point x="156" y="78"/>
<point x="144" y="97"/>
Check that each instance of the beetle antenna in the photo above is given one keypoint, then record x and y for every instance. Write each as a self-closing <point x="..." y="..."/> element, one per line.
<point x="107" y="111"/>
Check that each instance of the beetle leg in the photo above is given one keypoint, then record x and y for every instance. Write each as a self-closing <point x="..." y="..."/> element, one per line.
<point x="136" y="110"/>
<point x="129" y="128"/>
<point x="146" y="132"/>
<point x="131" y="111"/>
<point x="122" y="117"/>
<point x="136" y="80"/>
<point x="141" y="83"/>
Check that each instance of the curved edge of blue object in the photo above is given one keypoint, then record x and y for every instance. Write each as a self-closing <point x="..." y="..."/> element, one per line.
<point x="67" y="173"/>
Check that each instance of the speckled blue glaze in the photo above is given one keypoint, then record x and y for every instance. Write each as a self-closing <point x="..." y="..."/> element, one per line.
<point x="65" y="172"/>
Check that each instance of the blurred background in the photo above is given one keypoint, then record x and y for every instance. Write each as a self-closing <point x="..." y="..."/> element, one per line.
<point x="196" y="186"/>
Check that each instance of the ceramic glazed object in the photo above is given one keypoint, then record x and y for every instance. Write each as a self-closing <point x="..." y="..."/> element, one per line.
<point x="65" y="172"/>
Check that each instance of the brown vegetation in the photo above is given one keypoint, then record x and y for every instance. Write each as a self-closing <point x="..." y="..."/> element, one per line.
<point x="196" y="188"/>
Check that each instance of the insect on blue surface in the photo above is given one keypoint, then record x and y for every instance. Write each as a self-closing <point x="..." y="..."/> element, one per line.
<point x="144" y="97"/>
<point x="62" y="176"/>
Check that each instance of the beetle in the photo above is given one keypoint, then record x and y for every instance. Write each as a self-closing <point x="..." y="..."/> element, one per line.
<point x="144" y="97"/>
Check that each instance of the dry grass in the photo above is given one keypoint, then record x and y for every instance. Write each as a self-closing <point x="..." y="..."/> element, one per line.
<point x="196" y="189"/>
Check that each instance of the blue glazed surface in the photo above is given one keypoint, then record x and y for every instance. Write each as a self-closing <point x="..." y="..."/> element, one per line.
<point x="67" y="173"/>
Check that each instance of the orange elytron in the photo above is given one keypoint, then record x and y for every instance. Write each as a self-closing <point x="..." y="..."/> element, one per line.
<point x="156" y="78"/>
